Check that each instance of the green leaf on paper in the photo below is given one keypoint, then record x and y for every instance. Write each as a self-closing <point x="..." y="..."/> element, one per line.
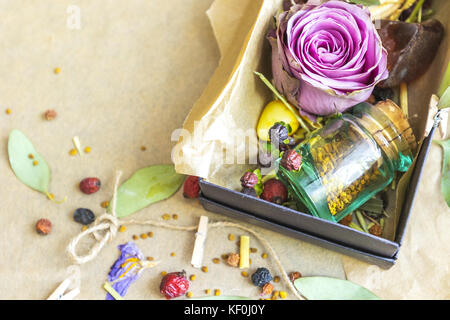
<point x="37" y="176"/>
<point x="324" y="288"/>
<point x="445" y="178"/>
<point x="147" y="186"/>
<point x="366" y="2"/>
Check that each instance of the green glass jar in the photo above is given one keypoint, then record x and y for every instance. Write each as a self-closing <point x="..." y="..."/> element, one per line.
<point x="350" y="159"/>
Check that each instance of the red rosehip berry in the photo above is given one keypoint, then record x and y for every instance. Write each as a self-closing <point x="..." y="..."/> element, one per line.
<point x="274" y="191"/>
<point x="249" y="180"/>
<point x="174" y="285"/>
<point x="291" y="160"/>
<point x="90" y="185"/>
<point x="191" y="188"/>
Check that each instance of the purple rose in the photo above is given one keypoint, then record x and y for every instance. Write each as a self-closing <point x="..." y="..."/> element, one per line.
<point x="326" y="58"/>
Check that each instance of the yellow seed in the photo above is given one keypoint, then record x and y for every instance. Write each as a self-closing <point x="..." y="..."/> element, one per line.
<point x="150" y="258"/>
<point x="143" y="148"/>
<point x="150" y="234"/>
<point x="104" y="204"/>
<point x="276" y="279"/>
<point x="73" y="152"/>
<point x="166" y="216"/>
<point x="275" y="294"/>
<point x="84" y="228"/>
<point x="163" y="273"/>
<point x="135" y="237"/>
<point x="189" y="294"/>
<point x="8" y="111"/>
<point x="122" y="229"/>
<point x="207" y="291"/>
<point x="35" y="163"/>
<point x="205" y="269"/>
<point x="253" y="250"/>
<point x="264" y="255"/>
<point x="217" y="292"/>
<point x="244" y="274"/>
<point x="231" y="237"/>
<point x="51" y="196"/>
<point x="87" y="149"/>
<point x="216" y="260"/>
<point x="31" y="156"/>
<point x="175" y="217"/>
<point x="143" y="236"/>
<point x="172" y="254"/>
<point x="224" y="256"/>
<point x="192" y="277"/>
<point x="283" y="294"/>
<point x="57" y="70"/>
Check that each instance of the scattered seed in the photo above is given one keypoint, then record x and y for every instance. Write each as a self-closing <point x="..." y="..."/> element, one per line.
<point x="163" y="273"/>
<point x="224" y="256"/>
<point x="205" y="269"/>
<point x="244" y="274"/>
<point x="51" y="196"/>
<point x="143" y="148"/>
<point x="84" y="228"/>
<point x="122" y="228"/>
<point x="192" y="277"/>
<point x="50" y="114"/>
<point x="253" y="250"/>
<point x="231" y="237"/>
<point x="87" y="149"/>
<point x="35" y="163"/>
<point x="150" y="258"/>
<point x="8" y="111"/>
<point x="207" y="291"/>
<point x="43" y="226"/>
<point x="275" y="295"/>
<point x="264" y="255"/>
<point x="150" y="234"/>
<point x="73" y="152"/>
<point x="135" y="237"/>
<point x="175" y="217"/>
<point x="172" y="254"/>
<point x="166" y="216"/>
<point x="57" y="70"/>
<point x="216" y="260"/>
<point x="249" y="261"/>
<point x="217" y="292"/>
<point x="143" y="236"/>
<point x="283" y="294"/>
<point x="276" y="279"/>
<point x="189" y="294"/>
<point x="31" y="156"/>
<point x="104" y="204"/>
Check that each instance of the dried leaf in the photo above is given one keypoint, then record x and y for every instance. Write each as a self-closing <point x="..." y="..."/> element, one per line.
<point x="147" y="186"/>
<point x="324" y="288"/>
<point x="445" y="178"/>
<point x="366" y="2"/>
<point x="36" y="176"/>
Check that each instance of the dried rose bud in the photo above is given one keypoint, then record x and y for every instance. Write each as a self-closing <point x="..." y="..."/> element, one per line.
<point x="346" y="220"/>
<point x="233" y="259"/>
<point x="267" y="289"/>
<point x="294" y="276"/>
<point x="50" y="114"/>
<point x="291" y="160"/>
<point x="44" y="226"/>
<point x="376" y="230"/>
<point x="249" y="180"/>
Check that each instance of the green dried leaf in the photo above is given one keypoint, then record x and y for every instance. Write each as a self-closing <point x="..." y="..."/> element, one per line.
<point x="445" y="179"/>
<point x="147" y="186"/>
<point x="37" y="176"/>
<point x="324" y="288"/>
<point x="367" y="2"/>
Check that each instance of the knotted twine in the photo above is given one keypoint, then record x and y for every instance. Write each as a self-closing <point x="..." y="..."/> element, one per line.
<point x="106" y="226"/>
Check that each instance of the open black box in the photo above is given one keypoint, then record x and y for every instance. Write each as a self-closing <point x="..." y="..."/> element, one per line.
<point x="333" y="236"/>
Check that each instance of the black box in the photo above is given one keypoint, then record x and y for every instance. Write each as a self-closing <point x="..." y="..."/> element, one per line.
<point x="333" y="236"/>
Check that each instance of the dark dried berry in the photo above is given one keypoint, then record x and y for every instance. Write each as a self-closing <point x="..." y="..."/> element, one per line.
<point x="249" y="180"/>
<point x="174" y="285"/>
<point x="44" y="226"/>
<point x="90" y="185"/>
<point x="191" y="188"/>
<point x="84" y="216"/>
<point x="261" y="277"/>
<point x="249" y="191"/>
<point x="278" y="133"/>
<point x="274" y="191"/>
<point x="291" y="160"/>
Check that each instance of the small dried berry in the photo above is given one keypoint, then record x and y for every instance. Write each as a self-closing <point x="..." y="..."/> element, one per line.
<point x="84" y="216"/>
<point x="43" y="226"/>
<point x="278" y="133"/>
<point x="191" y="188"/>
<point x="294" y="276"/>
<point x="274" y="191"/>
<point x="249" y="180"/>
<point x="233" y="259"/>
<point x="50" y="114"/>
<point x="174" y="285"/>
<point x="376" y="230"/>
<point x="291" y="160"/>
<point x="261" y="277"/>
<point x="346" y="220"/>
<point x="90" y="185"/>
<point x="249" y="191"/>
<point x="267" y="289"/>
